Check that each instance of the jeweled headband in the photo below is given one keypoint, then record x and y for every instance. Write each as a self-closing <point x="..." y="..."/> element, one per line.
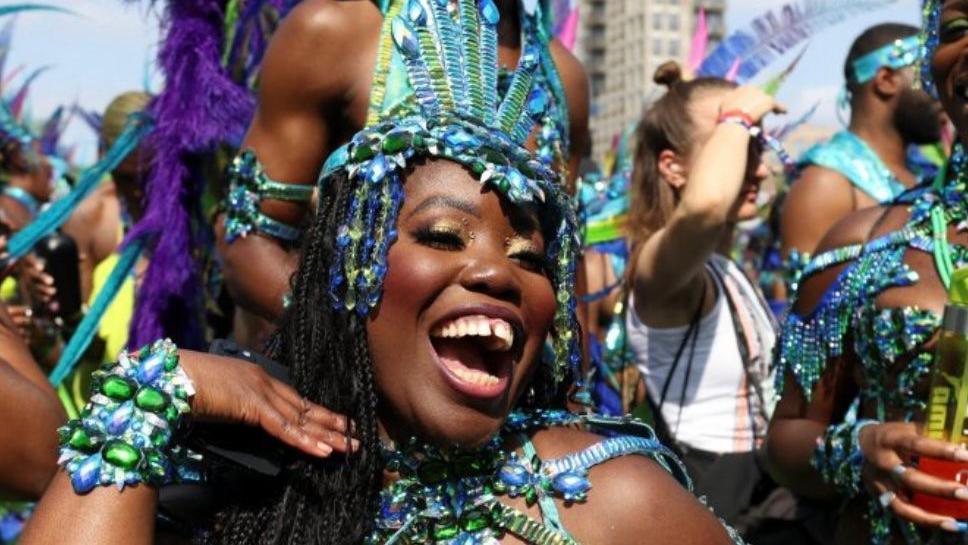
<point x="901" y="53"/>
<point x="450" y="55"/>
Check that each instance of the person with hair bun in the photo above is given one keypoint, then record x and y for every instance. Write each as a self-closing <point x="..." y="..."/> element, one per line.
<point x="699" y="331"/>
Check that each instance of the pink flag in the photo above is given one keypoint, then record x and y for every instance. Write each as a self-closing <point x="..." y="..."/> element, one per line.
<point x="569" y="30"/>
<point x="700" y="41"/>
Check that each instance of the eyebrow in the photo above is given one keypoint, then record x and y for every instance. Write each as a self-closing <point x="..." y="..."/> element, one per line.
<point x="445" y="201"/>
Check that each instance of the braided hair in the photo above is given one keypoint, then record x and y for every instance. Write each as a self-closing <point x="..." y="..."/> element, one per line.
<point x="329" y="501"/>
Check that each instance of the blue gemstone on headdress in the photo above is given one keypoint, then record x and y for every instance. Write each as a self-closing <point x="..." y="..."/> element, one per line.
<point x="537" y="101"/>
<point x="87" y="475"/>
<point x="459" y="139"/>
<point x="416" y="12"/>
<point x="404" y="38"/>
<point x="516" y="179"/>
<point x="376" y="169"/>
<point x="489" y="12"/>
<point x="529" y="59"/>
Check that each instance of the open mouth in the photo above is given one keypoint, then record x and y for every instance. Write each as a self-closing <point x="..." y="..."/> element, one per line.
<point x="476" y="352"/>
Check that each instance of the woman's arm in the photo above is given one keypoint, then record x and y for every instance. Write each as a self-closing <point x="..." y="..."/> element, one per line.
<point x="30" y="416"/>
<point x="227" y="390"/>
<point x="671" y="259"/>
<point x="310" y="68"/>
<point x="798" y="425"/>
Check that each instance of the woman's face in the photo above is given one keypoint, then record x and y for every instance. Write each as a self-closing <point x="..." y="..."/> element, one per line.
<point x="704" y="110"/>
<point x="466" y="307"/>
<point x="949" y="65"/>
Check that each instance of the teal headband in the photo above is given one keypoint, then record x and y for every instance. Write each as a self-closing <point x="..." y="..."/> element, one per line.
<point x="900" y="54"/>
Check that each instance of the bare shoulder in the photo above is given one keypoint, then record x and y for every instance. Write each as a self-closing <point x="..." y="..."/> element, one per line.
<point x="633" y="499"/>
<point x="315" y="35"/>
<point x="575" y="81"/>
<point x="569" y="67"/>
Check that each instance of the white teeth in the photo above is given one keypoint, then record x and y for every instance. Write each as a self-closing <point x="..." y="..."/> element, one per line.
<point x="474" y="376"/>
<point x="498" y="333"/>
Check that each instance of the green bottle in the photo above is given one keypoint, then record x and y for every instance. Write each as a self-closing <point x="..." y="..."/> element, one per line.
<point x="948" y="399"/>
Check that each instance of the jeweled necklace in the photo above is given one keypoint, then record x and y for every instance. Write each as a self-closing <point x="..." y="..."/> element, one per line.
<point x="451" y="497"/>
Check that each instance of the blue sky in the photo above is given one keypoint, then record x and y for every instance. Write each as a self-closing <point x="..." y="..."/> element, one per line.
<point x="103" y="51"/>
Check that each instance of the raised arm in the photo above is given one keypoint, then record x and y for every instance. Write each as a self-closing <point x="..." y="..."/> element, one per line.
<point x="306" y="93"/>
<point x="672" y="259"/>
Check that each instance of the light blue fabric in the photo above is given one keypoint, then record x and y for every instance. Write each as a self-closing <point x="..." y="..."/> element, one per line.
<point x="849" y="155"/>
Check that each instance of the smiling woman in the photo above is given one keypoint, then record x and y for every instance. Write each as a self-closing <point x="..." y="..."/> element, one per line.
<point x="439" y="262"/>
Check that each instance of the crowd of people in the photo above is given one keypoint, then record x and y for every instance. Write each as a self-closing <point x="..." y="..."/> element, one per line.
<point x="351" y="278"/>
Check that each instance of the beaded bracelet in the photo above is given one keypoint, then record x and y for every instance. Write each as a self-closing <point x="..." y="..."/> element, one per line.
<point x="124" y="434"/>
<point x="838" y="457"/>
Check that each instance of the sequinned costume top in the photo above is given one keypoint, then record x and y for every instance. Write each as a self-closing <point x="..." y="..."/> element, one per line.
<point x="454" y="499"/>
<point x="887" y="343"/>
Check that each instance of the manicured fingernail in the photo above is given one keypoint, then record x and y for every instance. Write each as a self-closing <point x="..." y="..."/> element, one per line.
<point x="954" y="526"/>
<point x="962" y="494"/>
<point x="355" y="444"/>
<point x="326" y="449"/>
<point x="961" y="454"/>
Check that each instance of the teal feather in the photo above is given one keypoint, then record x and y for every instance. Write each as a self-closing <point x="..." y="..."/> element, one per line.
<point x="49" y="220"/>
<point x="18" y="8"/>
<point x="87" y="329"/>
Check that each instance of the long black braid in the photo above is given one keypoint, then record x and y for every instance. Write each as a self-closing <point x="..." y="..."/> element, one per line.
<point x="319" y="501"/>
<point x="328" y="501"/>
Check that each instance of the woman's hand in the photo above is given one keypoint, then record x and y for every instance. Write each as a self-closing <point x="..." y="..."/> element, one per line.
<point x="888" y="448"/>
<point x="234" y="390"/>
<point x="751" y="101"/>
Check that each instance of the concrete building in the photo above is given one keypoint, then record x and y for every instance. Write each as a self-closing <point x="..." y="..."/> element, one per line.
<point x="622" y="42"/>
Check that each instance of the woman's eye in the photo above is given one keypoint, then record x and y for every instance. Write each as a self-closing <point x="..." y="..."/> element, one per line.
<point x="533" y="261"/>
<point x="954" y="29"/>
<point x="441" y="239"/>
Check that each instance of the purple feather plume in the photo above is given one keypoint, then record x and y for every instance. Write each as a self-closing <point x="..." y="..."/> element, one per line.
<point x="201" y="107"/>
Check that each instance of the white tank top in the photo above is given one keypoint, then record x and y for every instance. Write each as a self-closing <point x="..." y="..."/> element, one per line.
<point x="714" y="415"/>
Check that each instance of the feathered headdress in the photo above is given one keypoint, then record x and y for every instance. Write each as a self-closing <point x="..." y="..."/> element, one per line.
<point x="460" y="117"/>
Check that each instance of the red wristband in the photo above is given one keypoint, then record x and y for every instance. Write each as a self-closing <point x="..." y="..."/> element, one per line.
<point x="736" y="114"/>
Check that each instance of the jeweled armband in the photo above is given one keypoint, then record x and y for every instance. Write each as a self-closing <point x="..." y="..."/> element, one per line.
<point x="248" y="186"/>
<point x="124" y="434"/>
<point x="838" y="457"/>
